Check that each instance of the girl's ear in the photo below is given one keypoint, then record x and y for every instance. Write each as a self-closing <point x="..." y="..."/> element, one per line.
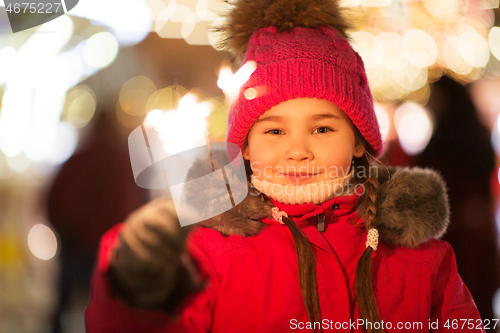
<point x="245" y="153"/>
<point x="359" y="149"/>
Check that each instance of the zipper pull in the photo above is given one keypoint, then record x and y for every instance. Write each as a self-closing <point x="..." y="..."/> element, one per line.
<point x="321" y="222"/>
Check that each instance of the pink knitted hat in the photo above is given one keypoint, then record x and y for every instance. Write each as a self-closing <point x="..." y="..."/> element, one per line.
<point x="303" y="62"/>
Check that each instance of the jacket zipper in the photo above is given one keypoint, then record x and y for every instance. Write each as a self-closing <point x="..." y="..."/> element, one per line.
<point x="321" y="222"/>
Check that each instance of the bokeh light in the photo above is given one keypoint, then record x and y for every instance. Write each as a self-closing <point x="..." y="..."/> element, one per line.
<point x="42" y="242"/>
<point x="369" y="48"/>
<point x="414" y="127"/>
<point x="474" y="49"/>
<point x="19" y="163"/>
<point x="100" y="50"/>
<point x="74" y="67"/>
<point x="453" y="56"/>
<point x="129" y="20"/>
<point x="188" y="25"/>
<point x="217" y="124"/>
<point x="14" y="118"/>
<point x="250" y="93"/>
<point x="132" y="20"/>
<point x="5" y="171"/>
<point x="198" y="32"/>
<point x="495" y="137"/>
<point x="394" y="55"/>
<point x="419" y="48"/>
<point x="383" y="120"/>
<point x="135" y="94"/>
<point x="496" y="296"/>
<point x="494" y="41"/>
<point x="375" y="77"/>
<point x="170" y="22"/>
<point x="7" y="58"/>
<point x="156" y="6"/>
<point x="87" y="70"/>
<point x="166" y="98"/>
<point x="421" y="95"/>
<point x="441" y="8"/>
<point x="411" y="78"/>
<point x="80" y="106"/>
<point x="65" y="143"/>
<point x="375" y="3"/>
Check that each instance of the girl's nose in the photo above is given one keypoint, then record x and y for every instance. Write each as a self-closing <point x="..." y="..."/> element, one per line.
<point x="298" y="150"/>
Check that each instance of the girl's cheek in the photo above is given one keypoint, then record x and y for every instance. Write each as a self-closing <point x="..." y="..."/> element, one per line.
<point x="266" y="156"/>
<point x="341" y="160"/>
<point x="256" y="173"/>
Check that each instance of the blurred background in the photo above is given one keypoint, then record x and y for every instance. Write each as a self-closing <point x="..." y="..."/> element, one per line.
<point x="73" y="89"/>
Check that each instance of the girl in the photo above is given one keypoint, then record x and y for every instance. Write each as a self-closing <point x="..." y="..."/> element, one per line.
<point x="302" y="251"/>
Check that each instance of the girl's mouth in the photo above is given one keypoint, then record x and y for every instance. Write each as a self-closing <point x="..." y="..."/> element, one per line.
<point x="298" y="176"/>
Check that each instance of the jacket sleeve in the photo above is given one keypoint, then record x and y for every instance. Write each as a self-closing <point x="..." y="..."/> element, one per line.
<point x="453" y="308"/>
<point x="108" y="314"/>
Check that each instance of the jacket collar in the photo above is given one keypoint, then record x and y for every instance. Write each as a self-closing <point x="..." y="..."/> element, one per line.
<point x="336" y="206"/>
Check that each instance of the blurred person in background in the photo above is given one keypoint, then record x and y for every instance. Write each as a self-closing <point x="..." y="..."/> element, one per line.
<point x="94" y="190"/>
<point x="461" y="150"/>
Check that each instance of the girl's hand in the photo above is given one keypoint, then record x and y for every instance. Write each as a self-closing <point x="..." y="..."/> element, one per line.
<point x="150" y="265"/>
<point x="243" y="219"/>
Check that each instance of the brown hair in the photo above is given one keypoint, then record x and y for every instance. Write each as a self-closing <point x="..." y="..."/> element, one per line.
<point x="363" y="288"/>
<point x="367" y="304"/>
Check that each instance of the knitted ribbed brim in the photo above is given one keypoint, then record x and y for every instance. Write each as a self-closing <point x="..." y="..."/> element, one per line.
<point x="304" y="62"/>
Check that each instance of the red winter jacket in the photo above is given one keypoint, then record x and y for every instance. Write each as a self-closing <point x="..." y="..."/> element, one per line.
<point x="253" y="281"/>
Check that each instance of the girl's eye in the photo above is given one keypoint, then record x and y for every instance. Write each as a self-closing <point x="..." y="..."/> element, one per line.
<point x="322" y="130"/>
<point x="274" y="131"/>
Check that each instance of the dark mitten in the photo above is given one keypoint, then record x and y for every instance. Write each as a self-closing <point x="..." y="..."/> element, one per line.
<point x="243" y="219"/>
<point x="150" y="267"/>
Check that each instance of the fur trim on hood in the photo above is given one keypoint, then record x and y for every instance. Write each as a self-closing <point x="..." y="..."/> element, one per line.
<point x="412" y="206"/>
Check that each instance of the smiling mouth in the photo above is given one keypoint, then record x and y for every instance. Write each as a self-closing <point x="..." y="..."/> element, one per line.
<point x="298" y="176"/>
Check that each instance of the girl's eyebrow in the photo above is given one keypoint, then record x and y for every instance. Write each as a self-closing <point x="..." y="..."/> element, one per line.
<point x="324" y="116"/>
<point x="312" y="117"/>
<point x="270" y="118"/>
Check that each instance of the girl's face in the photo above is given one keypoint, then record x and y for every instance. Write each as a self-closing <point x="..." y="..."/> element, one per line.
<point x="302" y="141"/>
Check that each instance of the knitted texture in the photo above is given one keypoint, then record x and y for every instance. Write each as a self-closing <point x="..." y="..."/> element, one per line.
<point x="315" y="193"/>
<point x="305" y="62"/>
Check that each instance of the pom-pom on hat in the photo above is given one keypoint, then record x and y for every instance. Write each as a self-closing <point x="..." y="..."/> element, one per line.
<point x="301" y="50"/>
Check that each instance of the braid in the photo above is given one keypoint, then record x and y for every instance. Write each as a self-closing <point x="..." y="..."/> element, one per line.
<point x="364" y="292"/>
<point x="371" y="189"/>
